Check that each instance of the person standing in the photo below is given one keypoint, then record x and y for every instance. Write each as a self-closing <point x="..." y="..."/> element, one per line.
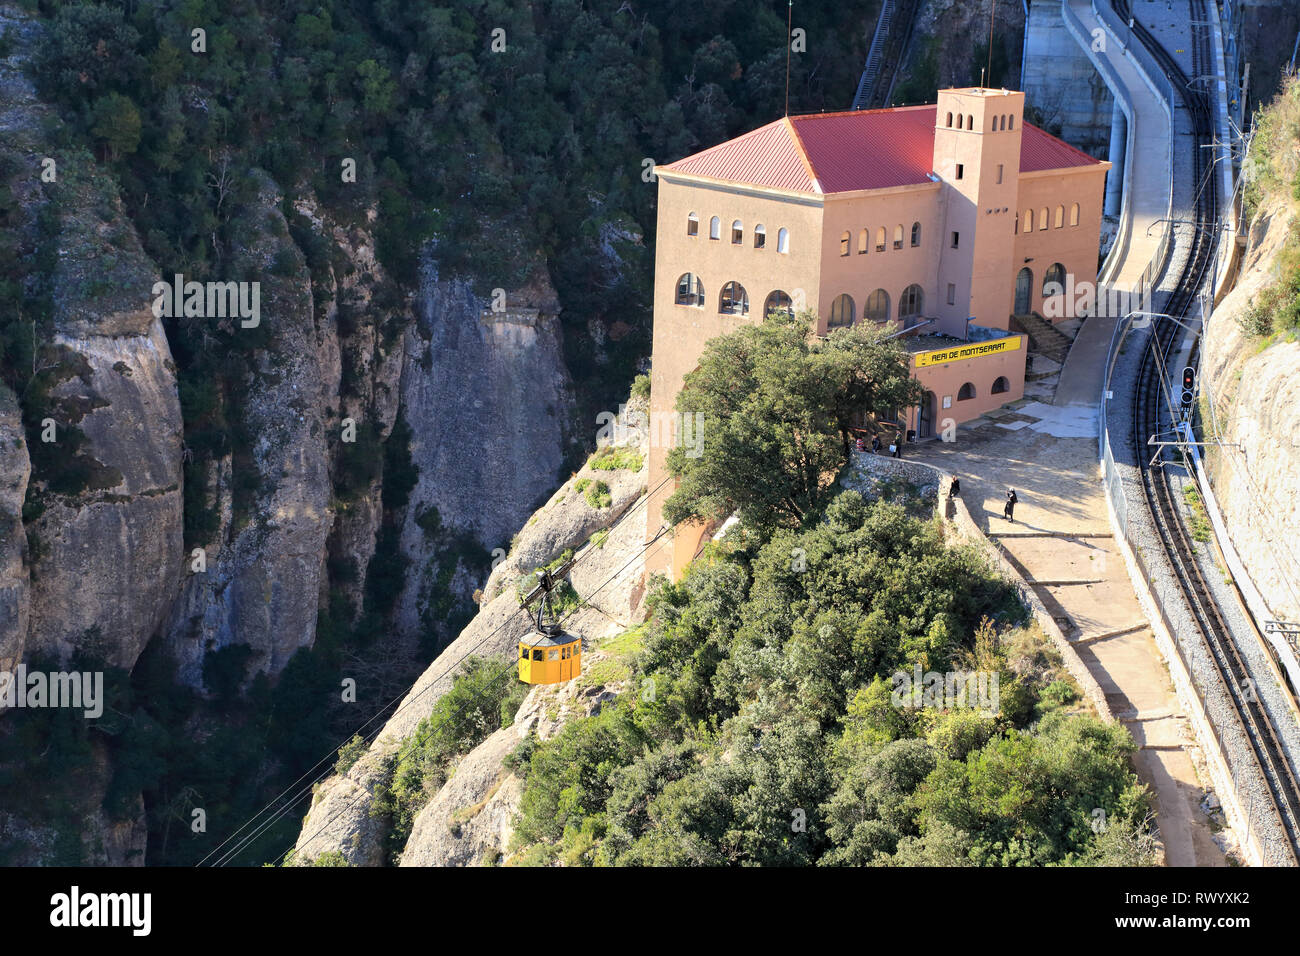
<point x="954" y="488"/>
<point x="875" y="444"/>
<point x="1009" y="509"/>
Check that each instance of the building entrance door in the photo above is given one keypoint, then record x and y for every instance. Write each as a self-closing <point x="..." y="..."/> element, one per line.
<point x="1024" y="291"/>
<point x="925" y="419"/>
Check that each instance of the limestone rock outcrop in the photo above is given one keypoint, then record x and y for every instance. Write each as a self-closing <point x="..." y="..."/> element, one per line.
<point x="489" y="402"/>
<point x="15" y="469"/>
<point x="609" y="580"/>
<point x="1256" y="396"/>
<point x="105" y="526"/>
<point x="262" y="574"/>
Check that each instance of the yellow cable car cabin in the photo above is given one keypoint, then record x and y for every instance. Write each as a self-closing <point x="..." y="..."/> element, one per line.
<point x="550" y="656"/>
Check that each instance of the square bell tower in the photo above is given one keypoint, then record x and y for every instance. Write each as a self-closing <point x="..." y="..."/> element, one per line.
<point x="977" y="157"/>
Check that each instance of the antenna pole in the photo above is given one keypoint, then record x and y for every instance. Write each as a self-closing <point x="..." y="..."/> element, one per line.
<point x="993" y="6"/>
<point x="789" y="20"/>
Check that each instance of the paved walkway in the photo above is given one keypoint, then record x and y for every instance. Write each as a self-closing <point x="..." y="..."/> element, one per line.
<point x="1062" y="543"/>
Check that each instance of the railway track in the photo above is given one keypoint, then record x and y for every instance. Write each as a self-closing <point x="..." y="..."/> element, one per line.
<point x="1154" y="412"/>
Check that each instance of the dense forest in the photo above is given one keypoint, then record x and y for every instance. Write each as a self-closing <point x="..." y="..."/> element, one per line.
<point x="485" y="136"/>
<point x="803" y="695"/>
<point x="760" y="725"/>
<point x="775" y="710"/>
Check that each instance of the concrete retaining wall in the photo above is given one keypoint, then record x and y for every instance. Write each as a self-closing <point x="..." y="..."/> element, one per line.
<point x="961" y="521"/>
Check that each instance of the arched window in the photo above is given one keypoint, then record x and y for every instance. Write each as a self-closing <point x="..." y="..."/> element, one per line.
<point x="910" y="305"/>
<point x="1011" y="121"/>
<point x="845" y="239"/>
<point x="966" y="392"/>
<point x="783" y="240"/>
<point x="734" y="300"/>
<point x="1054" y="280"/>
<point x="898" y="236"/>
<point x="1074" y="214"/>
<point x="1000" y="385"/>
<point x="690" y="290"/>
<point x="841" y="312"/>
<point x="950" y="120"/>
<point x="970" y="121"/>
<point x="880" y="239"/>
<point x="996" y="120"/>
<point x="1060" y="216"/>
<point x="877" y="307"/>
<point x="1029" y="220"/>
<point x="1015" y="228"/>
<point x="760" y="236"/>
<point x="737" y="233"/>
<point x="778" y="301"/>
<point x="864" y="240"/>
<point x="959" y="121"/>
<point x="692" y="225"/>
<point x="916" y="234"/>
<point x="715" y="228"/>
<point x="1043" y="221"/>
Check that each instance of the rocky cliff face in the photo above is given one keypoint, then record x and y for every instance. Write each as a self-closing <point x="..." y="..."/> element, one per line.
<point x="609" y="578"/>
<point x="15" y="469"/>
<point x="92" y="528"/>
<point x="490" y="404"/>
<point x="106" y="521"/>
<point x="262" y="573"/>
<point x="1256" y="402"/>
<point x="948" y="35"/>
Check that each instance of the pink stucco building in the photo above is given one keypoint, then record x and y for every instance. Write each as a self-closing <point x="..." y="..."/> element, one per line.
<point x="943" y="219"/>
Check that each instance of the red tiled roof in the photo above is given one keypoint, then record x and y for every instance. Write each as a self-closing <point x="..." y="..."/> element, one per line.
<point x="843" y="152"/>
<point x="1040" y="150"/>
<point x="767" y="156"/>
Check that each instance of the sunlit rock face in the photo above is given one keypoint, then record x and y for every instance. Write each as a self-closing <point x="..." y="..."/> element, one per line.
<point x="1256" y="475"/>
<point x="260" y="576"/>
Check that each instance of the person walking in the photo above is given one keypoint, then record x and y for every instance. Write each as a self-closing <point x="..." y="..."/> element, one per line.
<point x="954" y="488"/>
<point x="875" y="444"/>
<point x="1009" y="509"/>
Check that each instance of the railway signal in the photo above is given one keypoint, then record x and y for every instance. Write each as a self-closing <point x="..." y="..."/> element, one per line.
<point x="1189" y="386"/>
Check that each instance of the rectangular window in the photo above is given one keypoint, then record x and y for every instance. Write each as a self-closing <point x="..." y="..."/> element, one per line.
<point x="952" y="294"/>
<point x="961" y="170"/>
<point x="999" y="174"/>
<point x="956" y="236"/>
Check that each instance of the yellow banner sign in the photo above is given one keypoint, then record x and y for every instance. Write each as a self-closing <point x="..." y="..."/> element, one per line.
<point x="1009" y="344"/>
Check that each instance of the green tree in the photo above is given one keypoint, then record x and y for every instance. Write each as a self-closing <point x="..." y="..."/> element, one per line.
<point x="116" y="124"/>
<point x="768" y="411"/>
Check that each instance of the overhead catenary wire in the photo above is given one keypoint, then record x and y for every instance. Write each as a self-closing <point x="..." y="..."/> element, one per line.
<point x="508" y="670"/>
<point x="302" y="792"/>
<point x="298" y="791"/>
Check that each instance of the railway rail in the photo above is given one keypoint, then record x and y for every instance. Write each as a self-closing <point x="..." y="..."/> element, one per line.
<point x="1154" y="412"/>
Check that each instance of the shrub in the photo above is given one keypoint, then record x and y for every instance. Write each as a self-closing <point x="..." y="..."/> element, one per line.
<point x="597" y="495"/>
<point x="613" y="459"/>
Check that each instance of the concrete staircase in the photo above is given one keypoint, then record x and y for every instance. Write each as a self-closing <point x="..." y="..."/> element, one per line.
<point x="1044" y="338"/>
